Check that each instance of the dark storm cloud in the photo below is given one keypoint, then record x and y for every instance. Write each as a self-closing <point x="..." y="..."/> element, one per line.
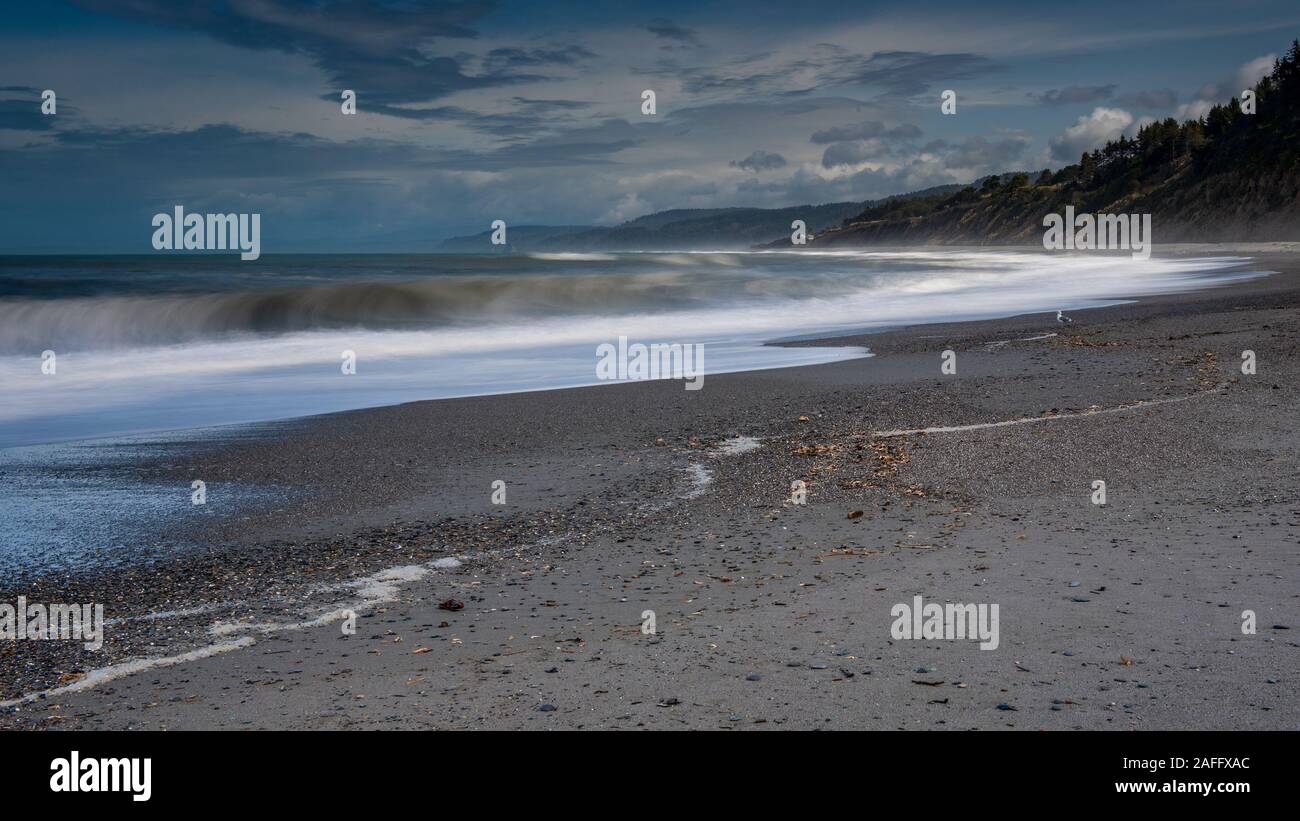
<point x="742" y="75"/>
<point x="24" y="114"/>
<point x="902" y="73"/>
<point x="853" y="153"/>
<point x="20" y="109"/>
<point x="668" y="30"/>
<point x="501" y="59"/>
<point x="1074" y="95"/>
<point x="528" y="119"/>
<point x="528" y="116"/>
<point x="375" y="47"/>
<point x="706" y="82"/>
<point x="551" y="105"/>
<point x="304" y="25"/>
<point x="760" y="161"/>
<point x="440" y="113"/>
<point x="865" y="131"/>
<point x="896" y="74"/>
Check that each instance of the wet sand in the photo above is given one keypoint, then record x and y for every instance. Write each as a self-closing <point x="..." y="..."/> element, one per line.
<point x="643" y="496"/>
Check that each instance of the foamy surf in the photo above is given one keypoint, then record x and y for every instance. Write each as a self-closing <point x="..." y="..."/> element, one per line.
<point x="737" y="445"/>
<point x="104" y="675"/>
<point x="498" y="324"/>
<point x="700" y="478"/>
<point x="369" y="592"/>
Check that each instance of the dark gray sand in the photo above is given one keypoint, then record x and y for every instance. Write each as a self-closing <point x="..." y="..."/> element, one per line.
<point x="623" y="499"/>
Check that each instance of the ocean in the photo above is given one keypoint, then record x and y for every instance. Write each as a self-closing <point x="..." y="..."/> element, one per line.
<point x="155" y="354"/>
<point x="176" y="342"/>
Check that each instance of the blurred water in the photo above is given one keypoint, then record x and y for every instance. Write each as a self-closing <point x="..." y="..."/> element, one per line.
<point x="172" y="343"/>
<point x="73" y="507"/>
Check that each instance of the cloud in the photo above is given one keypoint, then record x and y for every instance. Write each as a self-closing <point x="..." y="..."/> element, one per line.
<point x="859" y="143"/>
<point x="677" y="36"/>
<point x="24" y="114"/>
<point x="588" y="145"/>
<point x="1090" y="131"/>
<point x="1162" y="98"/>
<point x="854" y="153"/>
<point x="490" y="115"/>
<point x="760" y="161"/>
<point x="1194" y="110"/>
<point x="736" y="78"/>
<point x="1212" y="94"/>
<point x="1074" y="95"/>
<point x="209" y="153"/>
<point x="895" y="75"/>
<point x="865" y="131"/>
<point x="529" y="119"/>
<point x="501" y="59"/>
<point x="382" y="49"/>
<point x="552" y="105"/>
<point x="1250" y="73"/>
<point x="805" y="185"/>
<point x="978" y="153"/>
<point x="903" y="73"/>
<point x="1254" y="71"/>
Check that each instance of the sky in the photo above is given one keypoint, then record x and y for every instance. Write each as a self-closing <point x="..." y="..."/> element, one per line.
<point x="532" y="113"/>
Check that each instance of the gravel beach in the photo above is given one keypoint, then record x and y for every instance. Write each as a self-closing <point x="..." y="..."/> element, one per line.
<point x="973" y="487"/>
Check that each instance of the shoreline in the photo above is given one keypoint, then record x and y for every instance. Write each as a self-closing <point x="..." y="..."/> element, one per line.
<point x="234" y="375"/>
<point x="409" y="484"/>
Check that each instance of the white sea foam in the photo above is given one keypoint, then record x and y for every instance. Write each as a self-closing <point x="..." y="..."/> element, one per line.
<point x="378" y="588"/>
<point x="369" y="592"/>
<point x="737" y="446"/>
<point x="700" y="477"/>
<point x="103" y="675"/>
<point x="246" y="377"/>
<point x="567" y="256"/>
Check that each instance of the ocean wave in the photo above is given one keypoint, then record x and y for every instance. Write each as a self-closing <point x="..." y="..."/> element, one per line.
<point x="596" y="285"/>
<point x="573" y="256"/>
<point x="248" y="377"/>
<point x="29" y="325"/>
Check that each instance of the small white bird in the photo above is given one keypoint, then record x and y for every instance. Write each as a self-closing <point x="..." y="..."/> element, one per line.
<point x="1063" y="319"/>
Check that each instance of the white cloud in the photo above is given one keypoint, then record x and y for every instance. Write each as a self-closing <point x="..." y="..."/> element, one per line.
<point x="1246" y="76"/>
<point x="1091" y="131"/>
<point x="1253" y="72"/>
<point x="1211" y="94"/>
<point x="1193" y="110"/>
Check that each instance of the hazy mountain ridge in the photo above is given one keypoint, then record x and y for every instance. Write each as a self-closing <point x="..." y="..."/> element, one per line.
<point x="677" y="229"/>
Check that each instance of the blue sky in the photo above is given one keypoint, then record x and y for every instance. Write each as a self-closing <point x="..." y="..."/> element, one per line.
<point x="531" y="112"/>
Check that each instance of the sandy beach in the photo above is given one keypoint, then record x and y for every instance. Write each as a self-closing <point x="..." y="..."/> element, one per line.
<point x="973" y="487"/>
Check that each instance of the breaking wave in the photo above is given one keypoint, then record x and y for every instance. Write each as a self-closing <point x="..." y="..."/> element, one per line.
<point x="836" y="285"/>
<point x="167" y="351"/>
